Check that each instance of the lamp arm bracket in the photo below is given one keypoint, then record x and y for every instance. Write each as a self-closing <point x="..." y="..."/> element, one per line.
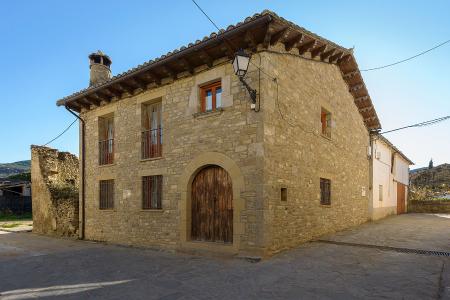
<point x="252" y="92"/>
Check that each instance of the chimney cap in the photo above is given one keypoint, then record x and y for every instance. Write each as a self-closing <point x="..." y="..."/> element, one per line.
<point x="106" y="59"/>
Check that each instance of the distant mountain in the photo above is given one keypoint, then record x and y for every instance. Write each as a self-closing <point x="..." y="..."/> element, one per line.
<point x="417" y="170"/>
<point x="14" y="168"/>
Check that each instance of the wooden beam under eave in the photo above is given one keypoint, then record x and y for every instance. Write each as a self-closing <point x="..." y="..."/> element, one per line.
<point x="289" y="44"/>
<point x="302" y="49"/>
<point x="344" y="58"/>
<point x="113" y="92"/>
<point x="327" y="54"/>
<point x="205" y="56"/>
<point x="151" y="77"/>
<point x="105" y="95"/>
<point x="282" y="34"/>
<point x="362" y="98"/>
<point x="74" y="105"/>
<point x="123" y="87"/>
<point x="366" y="108"/>
<point x="371" y="119"/>
<point x="334" y="58"/>
<point x="228" y="49"/>
<point x="250" y="40"/>
<point x="94" y="99"/>
<point x="84" y="103"/>
<point x="186" y="65"/>
<point x="139" y="83"/>
<point x="356" y="87"/>
<point x="169" y="71"/>
<point x="351" y="74"/>
<point x="268" y="36"/>
<point x="316" y="51"/>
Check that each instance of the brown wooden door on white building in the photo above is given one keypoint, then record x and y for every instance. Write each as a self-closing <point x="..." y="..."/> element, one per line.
<point x="212" y="206"/>
<point x="401" y="198"/>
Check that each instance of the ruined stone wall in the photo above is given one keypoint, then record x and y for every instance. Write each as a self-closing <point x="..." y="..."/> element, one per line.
<point x="430" y="206"/>
<point x="54" y="177"/>
<point x="297" y="155"/>
<point x="230" y="138"/>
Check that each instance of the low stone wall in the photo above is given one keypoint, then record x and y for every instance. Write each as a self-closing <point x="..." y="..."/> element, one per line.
<point x="431" y="206"/>
<point x="54" y="177"/>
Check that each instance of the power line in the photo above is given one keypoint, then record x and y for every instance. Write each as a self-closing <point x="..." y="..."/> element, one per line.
<point x="406" y="59"/>
<point x="218" y="29"/>
<point x="364" y="70"/>
<point x="275" y="79"/>
<point x="59" y="135"/>
<point x="206" y="15"/>
<point x="421" y="124"/>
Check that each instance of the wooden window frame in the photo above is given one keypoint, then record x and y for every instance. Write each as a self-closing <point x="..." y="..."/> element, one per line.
<point x="149" y="148"/>
<point x="148" y="183"/>
<point x="283" y="194"/>
<point x="213" y="87"/>
<point x="392" y="162"/>
<point x="105" y="157"/>
<point x="106" y="201"/>
<point x="325" y="193"/>
<point x="380" y="193"/>
<point x="325" y="122"/>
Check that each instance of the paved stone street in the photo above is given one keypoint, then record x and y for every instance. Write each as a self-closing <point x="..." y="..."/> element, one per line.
<point x="37" y="266"/>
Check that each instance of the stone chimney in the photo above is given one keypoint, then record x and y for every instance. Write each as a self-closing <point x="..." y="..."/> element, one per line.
<point x="99" y="64"/>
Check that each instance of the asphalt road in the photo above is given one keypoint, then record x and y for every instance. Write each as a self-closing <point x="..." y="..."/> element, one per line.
<point x="346" y="267"/>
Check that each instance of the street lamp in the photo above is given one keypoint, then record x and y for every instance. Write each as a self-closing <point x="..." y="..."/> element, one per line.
<point x="240" y="66"/>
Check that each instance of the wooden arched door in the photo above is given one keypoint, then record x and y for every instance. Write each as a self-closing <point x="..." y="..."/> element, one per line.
<point x="212" y="206"/>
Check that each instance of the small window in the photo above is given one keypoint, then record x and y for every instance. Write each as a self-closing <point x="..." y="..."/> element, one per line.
<point x="325" y="120"/>
<point x="151" y="192"/>
<point x="283" y="194"/>
<point x="106" y="194"/>
<point x="211" y="96"/>
<point x="392" y="162"/>
<point x="325" y="191"/>
<point x="380" y="193"/>
<point x="106" y="140"/>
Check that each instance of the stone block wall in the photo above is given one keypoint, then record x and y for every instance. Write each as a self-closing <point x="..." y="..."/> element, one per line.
<point x="260" y="150"/>
<point x="231" y="138"/>
<point x="54" y="177"/>
<point x="297" y="155"/>
<point x="430" y="206"/>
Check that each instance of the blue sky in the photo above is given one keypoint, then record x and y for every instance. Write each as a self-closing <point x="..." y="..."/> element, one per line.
<point x="45" y="44"/>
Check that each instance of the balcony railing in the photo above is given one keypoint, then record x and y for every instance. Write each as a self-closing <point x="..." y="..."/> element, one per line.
<point x="106" y="152"/>
<point x="152" y="143"/>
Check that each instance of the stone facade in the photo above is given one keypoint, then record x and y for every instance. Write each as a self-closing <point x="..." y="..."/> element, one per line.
<point x="54" y="177"/>
<point x="297" y="155"/>
<point x="262" y="151"/>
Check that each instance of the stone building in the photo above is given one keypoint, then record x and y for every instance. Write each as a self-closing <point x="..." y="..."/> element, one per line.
<point x="54" y="181"/>
<point x="178" y="156"/>
<point x="389" y="179"/>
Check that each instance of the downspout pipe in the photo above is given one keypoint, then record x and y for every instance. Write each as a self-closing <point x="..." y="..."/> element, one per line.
<point x="372" y="138"/>
<point x="83" y="167"/>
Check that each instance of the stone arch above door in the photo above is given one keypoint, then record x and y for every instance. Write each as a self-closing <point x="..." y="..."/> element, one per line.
<point x="190" y="171"/>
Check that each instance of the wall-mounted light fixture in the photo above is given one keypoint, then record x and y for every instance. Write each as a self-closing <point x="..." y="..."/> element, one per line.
<point x="240" y="66"/>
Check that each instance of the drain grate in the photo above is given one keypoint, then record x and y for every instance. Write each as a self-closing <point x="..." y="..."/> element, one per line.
<point x="387" y="248"/>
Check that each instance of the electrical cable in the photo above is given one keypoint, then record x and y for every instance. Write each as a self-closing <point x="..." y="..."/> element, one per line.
<point x="406" y="59"/>
<point x="421" y="124"/>
<point x="59" y="135"/>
